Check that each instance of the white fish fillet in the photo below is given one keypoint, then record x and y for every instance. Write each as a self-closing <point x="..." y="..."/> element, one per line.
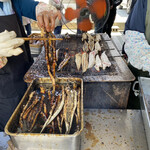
<point x="78" y="60"/>
<point x="84" y="62"/>
<point x="105" y="61"/>
<point x="98" y="63"/>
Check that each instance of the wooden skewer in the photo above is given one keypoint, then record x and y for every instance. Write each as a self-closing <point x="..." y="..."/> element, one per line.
<point x="41" y="39"/>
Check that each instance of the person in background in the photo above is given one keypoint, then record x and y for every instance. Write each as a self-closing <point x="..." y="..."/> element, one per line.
<point x="15" y="57"/>
<point x="27" y="25"/>
<point x="58" y="4"/>
<point x="137" y="41"/>
<point x="109" y="23"/>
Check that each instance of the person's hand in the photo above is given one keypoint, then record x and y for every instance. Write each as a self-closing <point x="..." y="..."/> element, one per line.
<point x="9" y="44"/>
<point x="47" y="16"/>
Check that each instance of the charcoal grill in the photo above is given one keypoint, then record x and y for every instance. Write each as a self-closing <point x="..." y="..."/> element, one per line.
<point x="107" y="89"/>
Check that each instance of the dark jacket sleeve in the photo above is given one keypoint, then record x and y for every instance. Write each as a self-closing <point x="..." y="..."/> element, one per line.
<point x="136" y="19"/>
<point x="116" y="2"/>
<point x="25" y="8"/>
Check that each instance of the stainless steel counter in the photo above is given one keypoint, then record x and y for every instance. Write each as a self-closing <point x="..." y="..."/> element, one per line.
<point x="113" y="130"/>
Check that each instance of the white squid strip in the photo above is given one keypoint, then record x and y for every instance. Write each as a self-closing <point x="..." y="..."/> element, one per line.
<point x="92" y="59"/>
<point x="105" y="61"/>
<point x="84" y="62"/>
<point x="98" y="63"/>
<point x="78" y="60"/>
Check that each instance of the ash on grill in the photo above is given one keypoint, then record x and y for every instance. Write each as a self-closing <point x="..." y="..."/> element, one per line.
<point x="48" y="113"/>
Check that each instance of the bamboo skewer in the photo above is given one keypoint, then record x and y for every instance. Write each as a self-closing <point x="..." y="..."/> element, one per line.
<point x="41" y="39"/>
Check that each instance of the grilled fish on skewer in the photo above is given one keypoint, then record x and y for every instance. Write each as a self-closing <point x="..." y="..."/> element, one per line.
<point x="69" y="108"/>
<point x="31" y="107"/>
<point x="105" y="61"/>
<point x="78" y="60"/>
<point x="57" y="111"/>
<point x="25" y="107"/>
<point x="64" y="62"/>
<point x="78" y="104"/>
<point x="38" y="112"/>
<point x="59" y="124"/>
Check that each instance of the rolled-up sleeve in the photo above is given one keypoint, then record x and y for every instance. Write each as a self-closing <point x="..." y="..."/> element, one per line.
<point x="26" y="8"/>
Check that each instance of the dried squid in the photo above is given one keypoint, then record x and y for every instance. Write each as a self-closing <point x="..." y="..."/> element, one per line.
<point x="84" y="36"/>
<point x="92" y="59"/>
<point x="84" y="62"/>
<point x="85" y="47"/>
<point x="97" y="46"/>
<point x="98" y="38"/>
<point x="78" y="60"/>
<point x="98" y="63"/>
<point x="105" y="61"/>
<point x="91" y="45"/>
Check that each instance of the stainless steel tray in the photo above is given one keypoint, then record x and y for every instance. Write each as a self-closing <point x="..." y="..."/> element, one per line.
<point x="32" y="141"/>
<point x="144" y="84"/>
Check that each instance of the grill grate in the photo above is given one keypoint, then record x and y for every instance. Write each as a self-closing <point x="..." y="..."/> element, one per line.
<point x="72" y="46"/>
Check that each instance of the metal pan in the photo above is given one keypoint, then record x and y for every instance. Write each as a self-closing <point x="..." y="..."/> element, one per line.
<point x="37" y="141"/>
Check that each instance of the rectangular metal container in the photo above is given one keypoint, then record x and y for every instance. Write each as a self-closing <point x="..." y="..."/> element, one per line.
<point x="37" y="141"/>
<point x="144" y="84"/>
<point x="107" y="89"/>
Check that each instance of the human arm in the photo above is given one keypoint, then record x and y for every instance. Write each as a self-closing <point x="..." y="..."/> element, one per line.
<point x="43" y="13"/>
<point x="137" y="50"/>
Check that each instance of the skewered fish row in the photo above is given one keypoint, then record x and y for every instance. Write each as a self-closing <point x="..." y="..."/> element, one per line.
<point x="86" y="57"/>
<point x="44" y="113"/>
